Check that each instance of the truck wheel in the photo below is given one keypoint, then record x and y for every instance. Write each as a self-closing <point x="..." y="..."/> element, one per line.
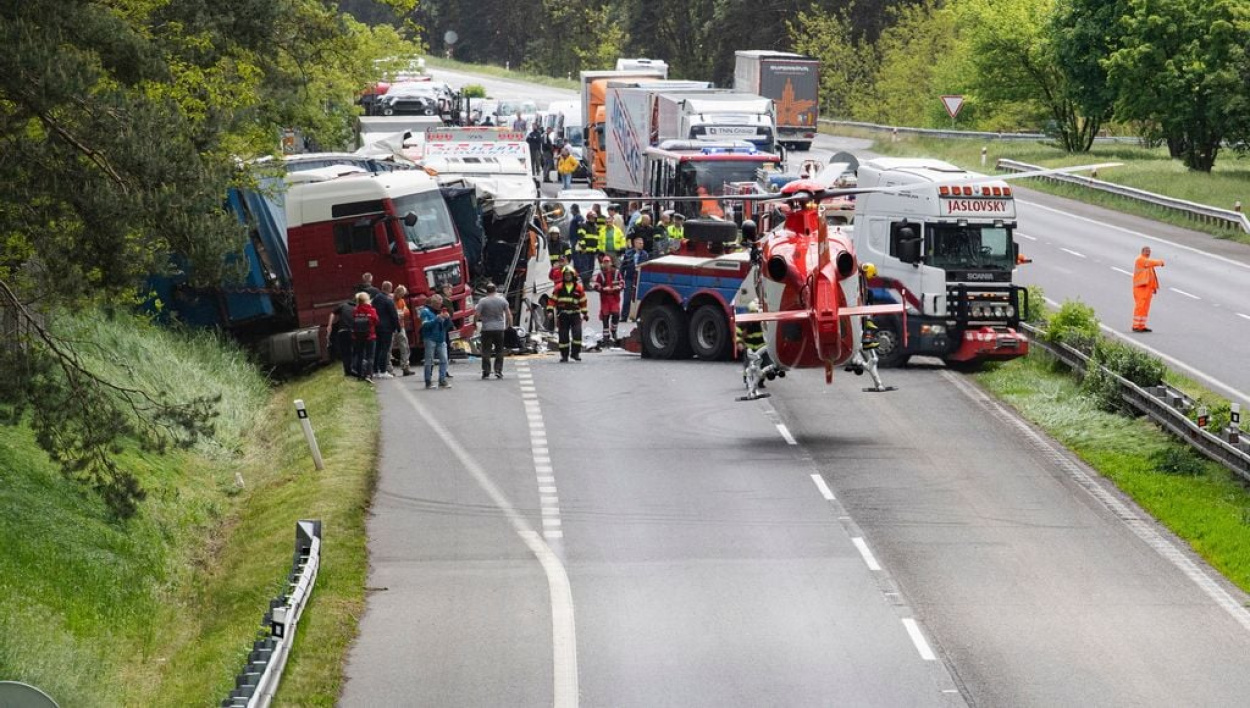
<point x="709" y="333"/>
<point x="890" y="352"/>
<point x="664" y="333"/>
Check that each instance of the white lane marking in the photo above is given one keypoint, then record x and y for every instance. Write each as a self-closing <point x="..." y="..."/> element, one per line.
<point x="551" y="522"/>
<point x="548" y="490"/>
<point x="1142" y="528"/>
<point x="1069" y="250"/>
<point x="1243" y="316"/>
<point x="553" y="501"/>
<point x="1138" y="234"/>
<point x="824" y="488"/>
<point x="785" y="433"/>
<point x="546" y="480"/>
<point x="563" y="626"/>
<point x="553" y="533"/>
<point x="869" y="558"/>
<point x="1178" y="291"/>
<point x="1122" y="271"/>
<point x="1031" y="238"/>
<point x="1201" y="376"/>
<point x="917" y="638"/>
<point x="551" y="510"/>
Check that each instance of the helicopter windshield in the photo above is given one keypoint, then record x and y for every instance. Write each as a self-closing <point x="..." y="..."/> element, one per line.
<point x="970" y="247"/>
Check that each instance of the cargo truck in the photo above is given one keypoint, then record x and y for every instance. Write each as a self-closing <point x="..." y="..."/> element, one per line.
<point x="717" y="116"/>
<point x="312" y="234"/>
<point x="594" y="115"/>
<point x="792" y="81"/>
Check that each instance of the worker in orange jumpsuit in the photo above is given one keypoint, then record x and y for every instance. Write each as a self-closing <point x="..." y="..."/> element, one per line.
<point x="1145" y="285"/>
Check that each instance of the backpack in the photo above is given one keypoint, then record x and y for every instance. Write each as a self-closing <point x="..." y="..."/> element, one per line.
<point x="360" y="325"/>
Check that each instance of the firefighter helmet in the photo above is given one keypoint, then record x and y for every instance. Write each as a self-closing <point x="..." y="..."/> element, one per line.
<point x="869" y="270"/>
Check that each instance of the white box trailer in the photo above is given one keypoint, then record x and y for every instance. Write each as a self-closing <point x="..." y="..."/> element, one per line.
<point x="632" y="127"/>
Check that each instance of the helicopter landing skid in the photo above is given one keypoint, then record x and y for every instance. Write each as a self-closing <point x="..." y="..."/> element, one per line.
<point x="756" y="397"/>
<point x="883" y="389"/>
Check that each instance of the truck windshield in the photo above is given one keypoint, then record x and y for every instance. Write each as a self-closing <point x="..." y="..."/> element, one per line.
<point x="973" y="246"/>
<point x="713" y="175"/>
<point x="433" y="228"/>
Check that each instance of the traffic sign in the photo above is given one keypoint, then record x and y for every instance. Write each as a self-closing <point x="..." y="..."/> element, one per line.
<point x="953" y="104"/>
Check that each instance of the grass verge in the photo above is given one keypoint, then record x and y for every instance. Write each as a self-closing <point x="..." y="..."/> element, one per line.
<point x="1151" y="170"/>
<point x="161" y="609"/>
<point x="570" y="84"/>
<point x="1200" y="501"/>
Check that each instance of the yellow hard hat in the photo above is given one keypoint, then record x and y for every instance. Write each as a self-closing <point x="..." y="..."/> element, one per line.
<point x="870" y="270"/>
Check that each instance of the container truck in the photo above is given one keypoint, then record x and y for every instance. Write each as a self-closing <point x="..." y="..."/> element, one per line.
<point x="633" y="126"/>
<point x="594" y="115"/>
<point x="716" y="116"/>
<point x="312" y="234"/>
<point x="792" y="81"/>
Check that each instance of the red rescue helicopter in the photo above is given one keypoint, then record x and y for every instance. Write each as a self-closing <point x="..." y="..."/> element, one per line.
<point x="809" y="297"/>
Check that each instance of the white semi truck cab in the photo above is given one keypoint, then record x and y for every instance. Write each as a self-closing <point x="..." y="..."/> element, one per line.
<point x="944" y="248"/>
<point x="718" y="115"/>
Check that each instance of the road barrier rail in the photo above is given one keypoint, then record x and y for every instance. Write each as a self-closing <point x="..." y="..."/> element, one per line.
<point x="1205" y="213"/>
<point x="962" y="134"/>
<point x="1164" y="405"/>
<point x="256" y="684"/>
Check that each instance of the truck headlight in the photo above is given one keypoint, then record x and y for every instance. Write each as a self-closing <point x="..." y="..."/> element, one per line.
<point x="1011" y="311"/>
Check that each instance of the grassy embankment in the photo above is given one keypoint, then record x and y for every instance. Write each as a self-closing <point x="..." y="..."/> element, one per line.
<point x="161" y="609"/>
<point x="1151" y="170"/>
<point x="500" y="72"/>
<point x="1200" y="501"/>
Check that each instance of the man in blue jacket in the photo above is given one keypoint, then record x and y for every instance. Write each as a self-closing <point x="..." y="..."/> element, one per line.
<point x="435" y="324"/>
<point x="630" y="260"/>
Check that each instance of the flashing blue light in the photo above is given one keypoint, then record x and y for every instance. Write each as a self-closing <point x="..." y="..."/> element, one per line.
<point x="729" y="151"/>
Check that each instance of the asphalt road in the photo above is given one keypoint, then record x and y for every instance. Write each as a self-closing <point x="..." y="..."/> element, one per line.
<point x="620" y="532"/>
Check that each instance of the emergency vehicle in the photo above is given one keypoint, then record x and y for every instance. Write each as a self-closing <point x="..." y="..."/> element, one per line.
<point x="947" y="253"/>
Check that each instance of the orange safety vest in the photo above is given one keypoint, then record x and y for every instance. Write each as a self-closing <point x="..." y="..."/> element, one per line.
<point x="1144" y="273"/>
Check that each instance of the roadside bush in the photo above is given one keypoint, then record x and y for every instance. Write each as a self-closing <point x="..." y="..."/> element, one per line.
<point x="1075" y="324"/>
<point x="1038" y="310"/>
<point x="1177" y="460"/>
<point x="473" y="91"/>
<point x="1125" y="360"/>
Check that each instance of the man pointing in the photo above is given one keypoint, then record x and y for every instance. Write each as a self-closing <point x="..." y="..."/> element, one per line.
<point x="1145" y="285"/>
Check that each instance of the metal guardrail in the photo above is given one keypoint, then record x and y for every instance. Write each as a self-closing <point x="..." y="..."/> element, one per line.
<point x="1164" y="405"/>
<point x="963" y="134"/>
<point x="257" y="683"/>
<point x="1198" y="212"/>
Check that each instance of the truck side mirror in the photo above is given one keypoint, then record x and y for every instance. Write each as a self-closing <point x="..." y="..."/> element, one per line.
<point x="410" y="219"/>
<point x="909" y="250"/>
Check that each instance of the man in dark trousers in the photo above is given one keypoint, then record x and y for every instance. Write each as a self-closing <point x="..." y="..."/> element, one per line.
<point x="340" y="329"/>
<point x="494" y="316"/>
<point x="535" y="140"/>
<point x="388" y="324"/>
<point x="571" y="311"/>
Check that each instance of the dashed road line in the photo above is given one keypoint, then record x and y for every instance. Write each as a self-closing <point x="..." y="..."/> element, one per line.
<point x="1122" y="271"/>
<point x="824" y="488"/>
<point x="1069" y="250"/>
<point x="1031" y="238"/>
<point x="785" y="433"/>
<point x="917" y="638"/>
<point x="864" y="551"/>
<point x="549" y="494"/>
<point x="563" y="627"/>
<point x="1243" y="316"/>
<point x="1178" y="291"/>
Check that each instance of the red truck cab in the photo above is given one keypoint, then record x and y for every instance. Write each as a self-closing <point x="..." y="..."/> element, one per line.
<point x="343" y="222"/>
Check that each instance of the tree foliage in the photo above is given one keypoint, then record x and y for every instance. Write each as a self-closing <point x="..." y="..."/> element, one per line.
<point x="120" y="126"/>
<point x="1183" y="64"/>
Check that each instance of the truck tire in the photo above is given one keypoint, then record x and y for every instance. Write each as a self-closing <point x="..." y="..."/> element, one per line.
<point x="709" y="333"/>
<point x="890" y="352"/>
<point x="664" y="333"/>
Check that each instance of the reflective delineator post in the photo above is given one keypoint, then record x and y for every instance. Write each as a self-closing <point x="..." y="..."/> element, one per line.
<point x="302" y="412"/>
<point x="1204" y="417"/>
<point x="985" y="151"/>
<point x="1234" y="424"/>
<point x="1237" y="206"/>
<point x="894" y="136"/>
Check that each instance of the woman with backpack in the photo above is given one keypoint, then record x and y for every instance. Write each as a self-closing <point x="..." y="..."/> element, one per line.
<point x="364" y="336"/>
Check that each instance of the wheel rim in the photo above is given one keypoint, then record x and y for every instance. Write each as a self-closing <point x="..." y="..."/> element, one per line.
<point x="661" y="334"/>
<point x="707" y="335"/>
<point x="886" y="344"/>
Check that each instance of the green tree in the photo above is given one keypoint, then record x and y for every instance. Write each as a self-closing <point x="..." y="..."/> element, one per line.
<point x="121" y="123"/>
<point x="1084" y="33"/>
<point x="847" y="65"/>
<point x="1016" y="62"/>
<point x="1183" y="65"/>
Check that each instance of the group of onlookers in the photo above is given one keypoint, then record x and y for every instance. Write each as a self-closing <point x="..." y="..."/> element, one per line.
<point x="377" y="323"/>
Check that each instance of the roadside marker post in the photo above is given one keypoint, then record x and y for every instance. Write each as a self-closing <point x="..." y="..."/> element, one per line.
<point x="1204" y="417"/>
<point x="302" y="412"/>
<point x="1234" y="424"/>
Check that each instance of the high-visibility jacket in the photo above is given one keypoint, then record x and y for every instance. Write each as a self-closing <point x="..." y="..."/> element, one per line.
<point x="868" y="340"/>
<point x="567" y="165"/>
<point x="676" y="232"/>
<point x="569" y="297"/>
<point x="613" y="239"/>
<point x="589" y="240"/>
<point x="1144" y="273"/>
<point x="750" y="336"/>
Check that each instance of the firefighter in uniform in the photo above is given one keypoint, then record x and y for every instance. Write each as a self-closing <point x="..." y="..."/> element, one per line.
<point x="589" y="247"/>
<point x="865" y="357"/>
<point x="756" y="364"/>
<point x="570" y="309"/>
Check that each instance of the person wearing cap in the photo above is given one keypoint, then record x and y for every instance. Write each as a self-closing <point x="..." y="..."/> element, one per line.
<point x="609" y="284"/>
<point x="865" y="357"/>
<point x="555" y="243"/>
